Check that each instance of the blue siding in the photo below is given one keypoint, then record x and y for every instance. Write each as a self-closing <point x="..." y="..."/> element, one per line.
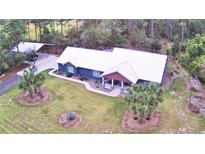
<point x="63" y="68"/>
<point x="75" y="69"/>
<point x="142" y="81"/>
<point x="163" y="76"/>
<point x="86" y="73"/>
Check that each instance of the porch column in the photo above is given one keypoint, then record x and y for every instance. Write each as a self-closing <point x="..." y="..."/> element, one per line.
<point x="103" y="81"/>
<point x="112" y="83"/>
<point x="122" y="84"/>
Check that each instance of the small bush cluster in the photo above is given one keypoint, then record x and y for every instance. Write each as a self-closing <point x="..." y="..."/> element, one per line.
<point x="70" y="116"/>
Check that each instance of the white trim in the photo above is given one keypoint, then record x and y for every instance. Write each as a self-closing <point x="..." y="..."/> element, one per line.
<point x="2" y="75"/>
<point x="103" y="81"/>
<point x="122" y="85"/>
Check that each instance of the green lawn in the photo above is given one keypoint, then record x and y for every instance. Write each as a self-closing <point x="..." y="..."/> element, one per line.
<point x="100" y="113"/>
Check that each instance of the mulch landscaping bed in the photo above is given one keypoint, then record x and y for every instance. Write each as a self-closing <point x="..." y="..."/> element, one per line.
<point x="12" y="72"/>
<point x="130" y="124"/>
<point x="25" y="99"/>
<point x="70" y="123"/>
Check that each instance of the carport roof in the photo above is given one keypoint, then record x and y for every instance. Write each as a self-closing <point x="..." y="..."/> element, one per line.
<point x="26" y="47"/>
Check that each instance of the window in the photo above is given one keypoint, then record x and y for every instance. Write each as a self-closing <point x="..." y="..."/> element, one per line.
<point x="70" y="69"/>
<point x="96" y="74"/>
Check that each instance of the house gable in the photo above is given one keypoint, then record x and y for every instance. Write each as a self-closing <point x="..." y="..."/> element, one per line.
<point x="117" y="76"/>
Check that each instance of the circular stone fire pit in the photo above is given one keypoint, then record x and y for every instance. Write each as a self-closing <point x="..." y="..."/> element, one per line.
<point x="71" y="119"/>
<point x="129" y="123"/>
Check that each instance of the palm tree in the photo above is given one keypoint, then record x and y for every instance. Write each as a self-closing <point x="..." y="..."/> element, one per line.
<point x="143" y="99"/>
<point x="31" y="81"/>
<point x="39" y="79"/>
<point x="26" y="83"/>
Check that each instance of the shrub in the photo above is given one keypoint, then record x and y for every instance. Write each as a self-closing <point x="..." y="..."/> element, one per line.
<point x="69" y="75"/>
<point x="155" y="45"/>
<point x="168" y="51"/>
<point x="96" y="84"/>
<point x="1" y="73"/>
<point x="176" y="46"/>
<point x="143" y="99"/>
<point x="70" y="116"/>
<point x="4" y="67"/>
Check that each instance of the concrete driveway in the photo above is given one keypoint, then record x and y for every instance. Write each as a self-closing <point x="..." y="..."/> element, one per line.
<point x="44" y="62"/>
<point x="9" y="84"/>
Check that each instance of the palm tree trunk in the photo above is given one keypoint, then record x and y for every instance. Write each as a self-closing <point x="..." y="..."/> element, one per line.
<point x="30" y="92"/>
<point x="141" y="120"/>
<point x="148" y="116"/>
<point x="40" y="93"/>
<point x="35" y="90"/>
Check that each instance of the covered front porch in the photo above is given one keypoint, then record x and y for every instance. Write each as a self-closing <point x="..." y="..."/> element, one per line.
<point x="116" y="80"/>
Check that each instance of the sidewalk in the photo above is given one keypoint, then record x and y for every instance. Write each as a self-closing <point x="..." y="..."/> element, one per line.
<point x="114" y="93"/>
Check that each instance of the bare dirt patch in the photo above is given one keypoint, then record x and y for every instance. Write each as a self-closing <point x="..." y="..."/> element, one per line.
<point x="131" y="124"/>
<point x="12" y="72"/>
<point x="24" y="98"/>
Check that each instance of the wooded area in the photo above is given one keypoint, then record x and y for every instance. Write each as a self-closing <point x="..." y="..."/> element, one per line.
<point x="182" y="39"/>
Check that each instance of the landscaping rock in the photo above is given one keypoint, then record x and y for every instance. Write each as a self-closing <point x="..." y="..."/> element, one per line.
<point x="173" y="94"/>
<point x="197" y="105"/>
<point x="202" y="110"/>
<point x="195" y="84"/>
<point x="194" y="104"/>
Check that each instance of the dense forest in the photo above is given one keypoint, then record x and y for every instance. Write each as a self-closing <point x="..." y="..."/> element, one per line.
<point x="183" y="39"/>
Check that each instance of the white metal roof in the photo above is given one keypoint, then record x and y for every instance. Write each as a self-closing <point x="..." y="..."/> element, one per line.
<point x="124" y="69"/>
<point x="132" y="64"/>
<point x="87" y="58"/>
<point x="28" y="47"/>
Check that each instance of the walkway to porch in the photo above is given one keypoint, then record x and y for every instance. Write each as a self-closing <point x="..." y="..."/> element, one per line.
<point x="112" y="93"/>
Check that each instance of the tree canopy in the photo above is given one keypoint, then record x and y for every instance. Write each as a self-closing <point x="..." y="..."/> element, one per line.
<point x="12" y="33"/>
<point x="143" y="99"/>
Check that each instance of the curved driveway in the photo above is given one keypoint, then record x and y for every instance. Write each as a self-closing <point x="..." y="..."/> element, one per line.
<point x="44" y="62"/>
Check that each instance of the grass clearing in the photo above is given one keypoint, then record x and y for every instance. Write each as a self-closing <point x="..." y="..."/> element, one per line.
<point x="100" y="113"/>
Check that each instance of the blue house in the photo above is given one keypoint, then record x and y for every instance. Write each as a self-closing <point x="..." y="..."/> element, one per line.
<point x="121" y="66"/>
